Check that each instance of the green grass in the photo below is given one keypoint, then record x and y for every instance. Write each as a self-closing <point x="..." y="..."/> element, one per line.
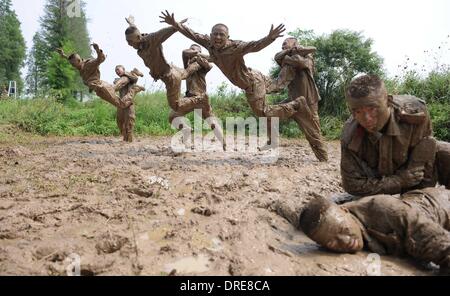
<point x="47" y="117"/>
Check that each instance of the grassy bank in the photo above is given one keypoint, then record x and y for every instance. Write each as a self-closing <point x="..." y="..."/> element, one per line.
<point x="47" y="117"/>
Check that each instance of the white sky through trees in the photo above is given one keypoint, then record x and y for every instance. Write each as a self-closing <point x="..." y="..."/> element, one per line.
<point x="400" y="29"/>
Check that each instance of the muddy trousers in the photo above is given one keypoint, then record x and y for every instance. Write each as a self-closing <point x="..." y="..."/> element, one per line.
<point x="181" y="106"/>
<point x="204" y="107"/>
<point x="125" y="121"/>
<point x="428" y="241"/>
<point x="256" y="97"/>
<point x="443" y="163"/>
<point x="107" y="93"/>
<point x="308" y="121"/>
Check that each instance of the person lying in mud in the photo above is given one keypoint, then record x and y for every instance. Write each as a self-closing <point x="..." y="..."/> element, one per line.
<point x="387" y="144"/>
<point x="416" y="224"/>
<point x="229" y="54"/>
<point x="149" y="48"/>
<point x="297" y="72"/>
<point x="124" y="85"/>
<point x="90" y="73"/>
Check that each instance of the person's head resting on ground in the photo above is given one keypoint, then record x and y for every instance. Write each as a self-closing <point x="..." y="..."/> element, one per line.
<point x="368" y="101"/>
<point x="219" y="36"/>
<point x="120" y="70"/>
<point x="289" y="43"/>
<point x="331" y="226"/>
<point x="132" y="34"/>
<point x="75" y="60"/>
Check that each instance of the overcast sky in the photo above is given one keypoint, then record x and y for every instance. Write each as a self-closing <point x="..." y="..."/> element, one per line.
<point x="399" y="28"/>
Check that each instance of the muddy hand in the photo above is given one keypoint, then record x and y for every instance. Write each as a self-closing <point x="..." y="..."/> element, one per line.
<point x="168" y="18"/>
<point x="412" y="176"/>
<point x="277" y="32"/>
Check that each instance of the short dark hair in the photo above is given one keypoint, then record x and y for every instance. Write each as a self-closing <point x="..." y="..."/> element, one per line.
<point x="221" y="25"/>
<point x="71" y="56"/>
<point x="131" y="30"/>
<point x="196" y="45"/>
<point x="311" y="215"/>
<point x="364" y="86"/>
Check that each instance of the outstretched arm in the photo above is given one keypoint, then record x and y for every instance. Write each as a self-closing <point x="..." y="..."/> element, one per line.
<point x="255" y="46"/>
<point x="201" y="39"/>
<point x="162" y="35"/>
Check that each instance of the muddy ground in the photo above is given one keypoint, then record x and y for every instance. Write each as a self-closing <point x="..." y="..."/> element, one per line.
<point x="140" y="209"/>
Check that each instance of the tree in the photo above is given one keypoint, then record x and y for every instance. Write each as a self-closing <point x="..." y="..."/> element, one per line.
<point x="340" y="56"/>
<point x="12" y="45"/>
<point x="60" y="29"/>
<point x="36" y="66"/>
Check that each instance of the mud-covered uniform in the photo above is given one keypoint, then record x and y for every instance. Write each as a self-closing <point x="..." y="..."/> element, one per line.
<point x="196" y="89"/>
<point x="126" y="117"/>
<point x="90" y="74"/>
<point x="370" y="162"/>
<point x="417" y="224"/>
<point x="299" y="78"/>
<point x="230" y="60"/>
<point x="196" y="97"/>
<point x="151" y="52"/>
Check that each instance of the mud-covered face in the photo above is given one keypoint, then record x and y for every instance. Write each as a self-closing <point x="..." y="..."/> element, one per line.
<point x="134" y="40"/>
<point x="120" y="71"/>
<point x="289" y="43"/>
<point x="338" y="231"/>
<point x="373" y="116"/>
<point x="75" y="61"/>
<point x="219" y="36"/>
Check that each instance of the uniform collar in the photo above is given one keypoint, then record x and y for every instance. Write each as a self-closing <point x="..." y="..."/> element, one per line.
<point x="392" y="129"/>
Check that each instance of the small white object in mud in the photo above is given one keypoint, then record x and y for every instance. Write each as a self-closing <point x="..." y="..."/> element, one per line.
<point x="161" y="181"/>
<point x="216" y="245"/>
<point x="189" y="265"/>
<point x="181" y="212"/>
<point x="144" y="237"/>
<point x="268" y="270"/>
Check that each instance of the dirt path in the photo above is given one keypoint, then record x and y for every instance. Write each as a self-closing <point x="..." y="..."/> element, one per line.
<point x="140" y="209"/>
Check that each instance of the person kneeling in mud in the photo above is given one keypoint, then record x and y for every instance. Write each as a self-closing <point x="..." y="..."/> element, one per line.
<point x="416" y="224"/>
<point x="124" y="84"/>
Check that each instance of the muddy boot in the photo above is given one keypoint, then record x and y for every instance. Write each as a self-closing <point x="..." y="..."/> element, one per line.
<point x="137" y="72"/>
<point x="128" y="138"/>
<point x="321" y="154"/>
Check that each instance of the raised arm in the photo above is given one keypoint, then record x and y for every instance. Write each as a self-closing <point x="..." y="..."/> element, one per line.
<point x="203" y="62"/>
<point x="255" y="46"/>
<point x="162" y="35"/>
<point x="279" y="57"/>
<point x="298" y="62"/>
<point x="201" y="39"/>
